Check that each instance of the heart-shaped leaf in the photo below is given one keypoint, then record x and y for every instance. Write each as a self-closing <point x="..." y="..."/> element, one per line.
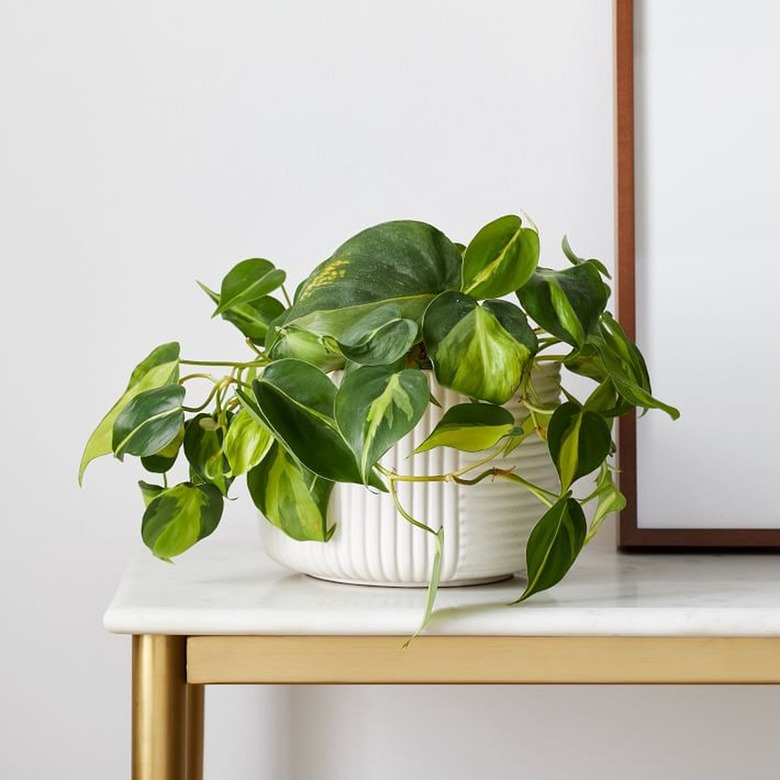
<point x="470" y="427"/>
<point x="163" y="461"/>
<point x="376" y="407"/>
<point x="290" y="496"/>
<point x="295" y="400"/>
<point x="159" y="368"/>
<point x="248" y="281"/>
<point x="380" y="338"/>
<point x="203" y="446"/>
<point x="500" y="258"/>
<point x="553" y="545"/>
<point x="246" y="443"/>
<point x="179" y="517"/>
<point x="150" y="421"/>
<point x="566" y="303"/>
<point x="579" y="441"/>
<point x="252" y="318"/>
<point x="406" y="263"/>
<point x="480" y="351"/>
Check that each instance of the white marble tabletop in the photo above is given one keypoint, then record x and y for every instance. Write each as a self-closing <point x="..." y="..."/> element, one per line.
<point x="230" y="588"/>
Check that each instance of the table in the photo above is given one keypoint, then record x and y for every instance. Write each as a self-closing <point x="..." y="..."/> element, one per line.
<point x="225" y="613"/>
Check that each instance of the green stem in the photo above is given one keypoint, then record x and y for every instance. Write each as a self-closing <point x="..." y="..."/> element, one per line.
<point x="208" y="400"/>
<point x="227" y="363"/>
<point x="210" y="377"/>
<point x="286" y="297"/>
<point x="543" y="495"/>
<point x="451" y="476"/>
<point x="404" y="513"/>
<point x="559" y="358"/>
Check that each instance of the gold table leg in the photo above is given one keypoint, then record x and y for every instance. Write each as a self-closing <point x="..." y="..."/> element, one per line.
<point x="195" y="713"/>
<point x="160" y="707"/>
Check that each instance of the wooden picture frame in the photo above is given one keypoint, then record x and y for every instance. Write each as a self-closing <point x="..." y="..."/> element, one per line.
<point x="632" y="535"/>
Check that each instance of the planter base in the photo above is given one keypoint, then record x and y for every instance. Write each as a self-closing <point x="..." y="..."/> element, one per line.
<point x="464" y="583"/>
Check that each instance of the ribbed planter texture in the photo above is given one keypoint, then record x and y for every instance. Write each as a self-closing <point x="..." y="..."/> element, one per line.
<point x="486" y="526"/>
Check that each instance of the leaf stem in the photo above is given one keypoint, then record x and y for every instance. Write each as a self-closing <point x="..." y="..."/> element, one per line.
<point x="451" y="476"/>
<point x="227" y="363"/>
<point x="187" y="378"/>
<point x="286" y="297"/>
<point x="404" y="513"/>
<point x="543" y="495"/>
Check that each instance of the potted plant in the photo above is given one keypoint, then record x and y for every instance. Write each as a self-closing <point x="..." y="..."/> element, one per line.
<point x="398" y="324"/>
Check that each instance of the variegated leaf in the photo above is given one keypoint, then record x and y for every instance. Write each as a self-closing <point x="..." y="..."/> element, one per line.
<point x="380" y="338"/>
<point x="290" y="496"/>
<point x="178" y="517"/>
<point x="478" y="350"/>
<point x="203" y="446"/>
<point x="500" y="258"/>
<point x="162" y="461"/>
<point x="252" y="318"/>
<point x="248" y="281"/>
<point x="553" y="545"/>
<point x="150" y="421"/>
<point x="376" y="407"/>
<point x="295" y="400"/>
<point x="579" y="441"/>
<point x="246" y="443"/>
<point x="292" y="342"/>
<point x="159" y="368"/>
<point x="406" y="263"/>
<point x="470" y="427"/>
<point x="566" y="303"/>
<point x="610" y="500"/>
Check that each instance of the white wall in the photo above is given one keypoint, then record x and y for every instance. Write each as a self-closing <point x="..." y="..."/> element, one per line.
<point x="146" y="145"/>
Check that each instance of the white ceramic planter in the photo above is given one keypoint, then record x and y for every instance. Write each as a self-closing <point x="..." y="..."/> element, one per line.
<point x="486" y="526"/>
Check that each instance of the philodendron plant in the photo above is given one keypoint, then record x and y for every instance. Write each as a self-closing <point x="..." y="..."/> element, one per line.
<point x="392" y="303"/>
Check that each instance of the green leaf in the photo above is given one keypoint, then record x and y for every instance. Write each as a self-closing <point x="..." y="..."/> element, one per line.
<point x="380" y="338"/>
<point x="252" y="318"/>
<point x="480" y="351"/>
<point x="247" y="442"/>
<point x="574" y="260"/>
<point x="179" y="517"/>
<point x="565" y="303"/>
<point x="290" y="496"/>
<point x="150" y="421"/>
<point x="248" y="281"/>
<point x="295" y="400"/>
<point x="203" y="439"/>
<point x="610" y="500"/>
<point x="500" y="258"/>
<point x="553" y="545"/>
<point x="159" y="368"/>
<point x="625" y="365"/>
<point x="609" y="354"/>
<point x="292" y="342"/>
<point x="579" y="441"/>
<point x="149" y="492"/>
<point x="376" y="407"/>
<point x="470" y="427"/>
<point x="163" y="461"/>
<point x="406" y="263"/>
<point x="433" y="586"/>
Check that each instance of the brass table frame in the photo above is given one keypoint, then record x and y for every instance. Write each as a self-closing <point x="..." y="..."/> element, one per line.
<point x="169" y="672"/>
